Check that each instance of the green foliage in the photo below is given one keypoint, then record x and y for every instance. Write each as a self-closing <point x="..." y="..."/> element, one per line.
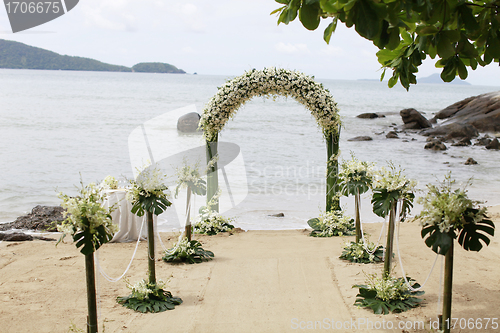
<point x="188" y="251"/>
<point x="17" y="55"/>
<point x="448" y="214"/>
<point x="356" y="252"/>
<point x="147" y="297"/>
<point x="156" y="67"/>
<point x="460" y="33"/>
<point x="333" y="223"/>
<point x="152" y="204"/>
<point x="387" y="295"/>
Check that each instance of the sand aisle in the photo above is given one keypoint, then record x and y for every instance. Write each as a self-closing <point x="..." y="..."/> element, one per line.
<point x="260" y="281"/>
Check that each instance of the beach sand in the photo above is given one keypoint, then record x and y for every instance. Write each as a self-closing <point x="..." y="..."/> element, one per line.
<point x="259" y="281"/>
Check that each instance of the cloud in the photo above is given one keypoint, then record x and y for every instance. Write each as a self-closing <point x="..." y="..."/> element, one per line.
<point x="331" y="50"/>
<point x="292" y="48"/>
<point x="109" y="15"/>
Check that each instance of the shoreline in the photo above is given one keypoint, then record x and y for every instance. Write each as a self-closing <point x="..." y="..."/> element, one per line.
<point x="259" y="281"/>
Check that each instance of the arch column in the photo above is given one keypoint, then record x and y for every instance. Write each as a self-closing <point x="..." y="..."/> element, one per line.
<point x="212" y="172"/>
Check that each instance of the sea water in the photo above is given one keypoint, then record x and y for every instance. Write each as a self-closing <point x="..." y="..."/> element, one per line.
<point x="60" y="127"/>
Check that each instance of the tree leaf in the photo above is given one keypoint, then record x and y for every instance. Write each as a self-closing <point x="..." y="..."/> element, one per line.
<point x="309" y="15"/>
<point x="366" y="20"/>
<point x="329" y="31"/>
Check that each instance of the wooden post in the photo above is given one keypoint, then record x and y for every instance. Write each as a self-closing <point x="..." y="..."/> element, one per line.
<point x="358" y="218"/>
<point x="91" y="294"/>
<point x="448" y="281"/>
<point x="332" y="187"/>
<point x="212" y="173"/>
<point x="390" y="240"/>
<point x="188" y="211"/>
<point x="151" y="248"/>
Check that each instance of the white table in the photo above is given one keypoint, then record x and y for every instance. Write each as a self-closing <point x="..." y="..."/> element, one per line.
<point x="129" y="224"/>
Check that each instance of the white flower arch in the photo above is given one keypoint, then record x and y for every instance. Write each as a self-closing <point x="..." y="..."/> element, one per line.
<point x="270" y="82"/>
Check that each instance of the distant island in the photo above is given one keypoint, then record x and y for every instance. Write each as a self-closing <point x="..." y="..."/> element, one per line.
<point x="15" y="55"/>
<point x="436" y="78"/>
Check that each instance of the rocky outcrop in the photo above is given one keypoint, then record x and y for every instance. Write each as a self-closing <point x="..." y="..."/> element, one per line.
<point x="414" y="119"/>
<point x="470" y="161"/>
<point x="361" y="138"/>
<point x="370" y="115"/>
<point x="435" y="145"/>
<point x="21" y="237"/>
<point x="40" y="218"/>
<point x="494" y="144"/>
<point x="188" y="123"/>
<point x="453" y="130"/>
<point x="482" y="112"/>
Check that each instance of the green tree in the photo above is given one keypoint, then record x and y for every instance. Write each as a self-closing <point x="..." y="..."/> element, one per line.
<point x="459" y="33"/>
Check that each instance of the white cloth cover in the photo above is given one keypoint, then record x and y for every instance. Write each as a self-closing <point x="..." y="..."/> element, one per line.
<point x="129" y="224"/>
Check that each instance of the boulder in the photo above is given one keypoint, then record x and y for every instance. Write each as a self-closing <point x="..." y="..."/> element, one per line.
<point x="470" y="161"/>
<point x="15" y="237"/>
<point x="277" y="215"/>
<point x="435" y="145"/>
<point x="392" y="135"/>
<point x="482" y="112"/>
<point x="494" y="144"/>
<point x="453" y="130"/>
<point x="361" y="138"/>
<point x="40" y="218"/>
<point x="188" y="123"/>
<point x="414" y="119"/>
<point x="483" y="141"/>
<point x="370" y="115"/>
<point x="462" y="143"/>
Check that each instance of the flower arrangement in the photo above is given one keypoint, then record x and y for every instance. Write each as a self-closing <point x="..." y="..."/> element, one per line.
<point x="355" y="176"/>
<point x="87" y="221"/>
<point x="149" y="297"/>
<point x="211" y="223"/>
<point x="109" y="183"/>
<point x="190" y="177"/>
<point x="148" y="192"/>
<point x="270" y="81"/>
<point x="387" y="294"/>
<point x="389" y="186"/>
<point x="187" y="251"/>
<point x="448" y="214"/>
<point x="362" y="252"/>
<point x="333" y="223"/>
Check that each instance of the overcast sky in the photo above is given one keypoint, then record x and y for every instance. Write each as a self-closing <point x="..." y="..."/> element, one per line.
<point x="221" y="37"/>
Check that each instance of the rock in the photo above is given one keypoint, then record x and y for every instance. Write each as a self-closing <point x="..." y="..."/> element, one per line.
<point x="484" y="141"/>
<point x="370" y="115"/>
<point x="453" y="130"/>
<point x="435" y="145"/>
<point x="277" y="215"/>
<point x="470" y="161"/>
<point x="462" y="143"/>
<point x="361" y="138"/>
<point x="414" y="119"/>
<point x="482" y="112"/>
<point x="15" y="237"/>
<point x="494" y="144"/>
<point x="392" y="135"/>
<point x="40" y="218"/>
<point x="188" y="123"/>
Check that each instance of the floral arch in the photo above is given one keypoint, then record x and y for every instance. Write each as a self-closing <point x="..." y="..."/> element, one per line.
<point x="271" y="82"/>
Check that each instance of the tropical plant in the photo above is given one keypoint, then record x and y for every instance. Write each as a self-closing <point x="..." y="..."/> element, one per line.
<point x="459" y="33"/>
<point x="449" y="214"/>
<point x="189" y="177"/>
<point x="148" y="297"/>
<point x="391" y="187"/>
<point x="362" y="252"/>
<point x="90" y="225"/>
<point x="333" y="223"/>
<point x="355" y="178"/>
<point x="187" y="251"/>
<point x="387" y="294"/>
<point x="149" y="195"/>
